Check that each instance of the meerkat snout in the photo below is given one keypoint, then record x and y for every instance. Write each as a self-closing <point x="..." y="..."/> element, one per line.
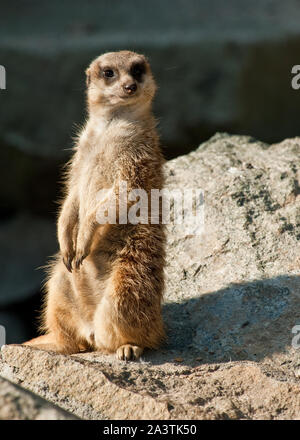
<point x="130" y="88"/>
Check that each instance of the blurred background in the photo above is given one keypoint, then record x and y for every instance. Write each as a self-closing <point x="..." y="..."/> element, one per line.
<point x="220" y="66"/>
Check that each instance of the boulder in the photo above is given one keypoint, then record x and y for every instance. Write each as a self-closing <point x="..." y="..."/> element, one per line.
<point x="20" y="404"/>
<point x="231" y="304"/>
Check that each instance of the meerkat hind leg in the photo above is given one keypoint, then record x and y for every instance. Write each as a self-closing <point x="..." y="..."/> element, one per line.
<point x="129" y="352"/>
<point x="109" y="338"/>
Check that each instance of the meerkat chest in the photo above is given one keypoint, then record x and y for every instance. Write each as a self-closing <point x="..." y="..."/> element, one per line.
<point x="99" y="159"/>
<point x="96" y="172"/>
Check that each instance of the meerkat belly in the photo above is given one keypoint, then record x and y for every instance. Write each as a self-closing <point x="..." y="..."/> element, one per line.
<point x="89" y="285"/>
<point x="86" y="331"/>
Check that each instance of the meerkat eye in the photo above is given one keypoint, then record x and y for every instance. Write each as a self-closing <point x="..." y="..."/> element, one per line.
<point x="108" y="73"/>
<point x="137" y="70"/>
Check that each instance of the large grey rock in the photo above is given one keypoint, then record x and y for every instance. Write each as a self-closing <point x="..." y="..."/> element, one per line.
<point x="234" y="289"/>
<point x="219" y="65"/>
<point x="19" y="404"/>
<point x="93" y="386"/>
<point x="231" y="304"/>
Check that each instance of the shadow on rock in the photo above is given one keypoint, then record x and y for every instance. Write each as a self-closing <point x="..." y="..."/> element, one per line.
<point x="246" y="321"/>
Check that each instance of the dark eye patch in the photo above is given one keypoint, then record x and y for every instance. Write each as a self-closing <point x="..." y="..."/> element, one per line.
<point x="137" y="71"/>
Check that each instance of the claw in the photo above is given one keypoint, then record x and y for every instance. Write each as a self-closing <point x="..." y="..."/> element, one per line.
<point x="68" y="264"/>
<point x="79" y="261"/>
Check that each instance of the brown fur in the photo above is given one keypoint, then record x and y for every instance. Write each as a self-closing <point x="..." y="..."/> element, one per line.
<point x="105" y="286"/>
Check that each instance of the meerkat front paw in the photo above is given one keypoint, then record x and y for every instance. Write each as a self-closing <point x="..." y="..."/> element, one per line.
<point x="129" y="352"/>
<point x="67" y="258"/>
<point x="80" y="256"/>
<point x="83" y="245"/>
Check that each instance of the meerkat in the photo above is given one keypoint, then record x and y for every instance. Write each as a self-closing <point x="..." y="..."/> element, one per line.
<point x="105" y="286"/>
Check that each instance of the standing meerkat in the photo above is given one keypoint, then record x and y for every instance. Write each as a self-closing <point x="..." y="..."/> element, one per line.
<point x="105" y="286"/>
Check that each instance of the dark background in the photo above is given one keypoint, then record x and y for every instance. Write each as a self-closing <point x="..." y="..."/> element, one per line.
<point x="220" y="65"/>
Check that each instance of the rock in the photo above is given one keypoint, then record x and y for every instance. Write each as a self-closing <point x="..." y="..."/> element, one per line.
<point x="95" y="397"/>
<point x="231" y="304"/>
<point x="234" y="289"/>
<point x="19" y="404"/>
<point x="93" y="386"/>
<point x="26" y="243"/>
<point x="219" y="66"/>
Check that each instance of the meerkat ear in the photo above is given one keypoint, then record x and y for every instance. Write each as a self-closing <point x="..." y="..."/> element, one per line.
<point x="88" y="76"/>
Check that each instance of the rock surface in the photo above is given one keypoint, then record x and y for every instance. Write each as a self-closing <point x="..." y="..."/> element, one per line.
<point x="231" y="304"/>
<point x="20" y="404"/>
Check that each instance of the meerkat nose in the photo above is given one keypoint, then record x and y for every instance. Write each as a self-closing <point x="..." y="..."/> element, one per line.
<point x="130" y="88"/>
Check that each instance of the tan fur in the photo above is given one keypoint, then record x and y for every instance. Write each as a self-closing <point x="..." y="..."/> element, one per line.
<point x="105" y="286"/>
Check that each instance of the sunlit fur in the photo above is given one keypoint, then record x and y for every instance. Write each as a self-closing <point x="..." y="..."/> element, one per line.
<point x="105" y="286"/>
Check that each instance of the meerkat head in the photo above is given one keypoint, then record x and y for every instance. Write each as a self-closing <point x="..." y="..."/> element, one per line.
<point x="119" y="79"/>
